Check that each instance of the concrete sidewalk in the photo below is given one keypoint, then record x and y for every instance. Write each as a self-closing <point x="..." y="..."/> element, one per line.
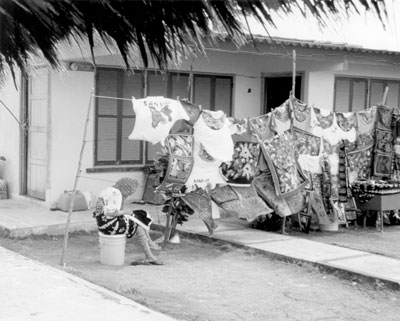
<point x="34" y="291"/>
<point x="19" y="218"/>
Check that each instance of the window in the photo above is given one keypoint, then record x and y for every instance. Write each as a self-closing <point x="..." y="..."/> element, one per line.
<point x="350" y="94"/>
<point x="353" y="94"/>
<point x="115" y="118"/>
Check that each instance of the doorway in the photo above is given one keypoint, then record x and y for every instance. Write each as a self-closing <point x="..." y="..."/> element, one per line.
<point x="35" y="143"/>
<point x="277" y="90"/>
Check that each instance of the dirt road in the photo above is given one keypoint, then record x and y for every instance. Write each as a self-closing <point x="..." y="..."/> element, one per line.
<point x="217" y="282"/>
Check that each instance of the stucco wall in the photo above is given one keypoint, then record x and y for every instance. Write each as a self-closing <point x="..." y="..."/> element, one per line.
<point x="10" y="133"/>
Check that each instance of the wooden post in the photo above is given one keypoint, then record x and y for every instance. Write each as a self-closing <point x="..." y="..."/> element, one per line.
<point x="167" y="232"/>
<point x="293" y="73"/>
<point x="384" y="98"/>
<point x="71" y="202"/>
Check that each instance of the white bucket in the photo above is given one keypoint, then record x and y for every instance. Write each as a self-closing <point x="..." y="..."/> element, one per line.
<point x="112" y="249"/>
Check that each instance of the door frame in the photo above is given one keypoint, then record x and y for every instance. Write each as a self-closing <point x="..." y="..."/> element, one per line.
<point x="24" y="132"/>
<point x="279" y="75"/>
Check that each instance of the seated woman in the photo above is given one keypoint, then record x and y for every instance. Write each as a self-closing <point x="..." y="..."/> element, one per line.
<point x="112" y="221"/>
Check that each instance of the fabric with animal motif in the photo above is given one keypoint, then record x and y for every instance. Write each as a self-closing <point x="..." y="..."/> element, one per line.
<point x="212" y="131"/>
<point x="243" y="167"/>
<point x="155" y="117"/>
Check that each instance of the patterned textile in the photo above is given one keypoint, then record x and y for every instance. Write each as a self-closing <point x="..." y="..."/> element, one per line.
<point x="306" y="143"/>
<point x="384" y="118"/>
<point x="344" y="191"/>
<point x="251" y="205"/>
<point x="206" y="170"/>
<point x="382" y="166"/>
<point x="127" y="186"/>
<point x="365" y="139"/>
<point x="223" y="194"/>
<point x="116" y="225"/>
<point x="242" y="168"/>
<point x="359" y="163"/>
<point x="280" y="155"/>
<point x="384" y="141"/>
<point x="261" y="126"/>
<point x="200" y="202"/>
<point x="311" y="167"/>
<point x="366" y="120"/>
<point x="212" y="131"/>
<point x="180" y="162"/>
<point x="281" y="120"/>
<point x="323" y="118"/>
<point x="346" y="121"/>
<point x="155" y="117"/>
<point x="282" y="206"/>
<point x="240" y="130"/>
<point x="301" y="113"/>
<point x="192" y="110"/>
<point x="317" y="208"/>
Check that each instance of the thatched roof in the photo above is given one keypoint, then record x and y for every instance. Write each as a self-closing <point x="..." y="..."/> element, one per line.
<point x="160" y="29"/>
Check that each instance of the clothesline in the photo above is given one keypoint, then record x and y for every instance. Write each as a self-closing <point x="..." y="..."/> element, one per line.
<point x="110" y="97"/>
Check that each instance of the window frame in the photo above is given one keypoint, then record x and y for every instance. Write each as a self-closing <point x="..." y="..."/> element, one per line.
<point x="144" y="158"/>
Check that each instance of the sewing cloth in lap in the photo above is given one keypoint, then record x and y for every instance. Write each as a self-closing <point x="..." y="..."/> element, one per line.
<point x="180" y="162"/>
<point x="261" y="127"/>
<point x="301" y="114"/>
<point x="281" y="118"/>
<point x="280" y="155"/>
<point x="242" y="168"/>
<point x="155" y="117"/>
<point x="205" y="172"/>
<point x="212" y="131"/>
<point x="346" y="126"/>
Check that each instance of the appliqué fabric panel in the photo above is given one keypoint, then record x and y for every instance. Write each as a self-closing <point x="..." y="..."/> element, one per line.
<point x="384" y="118"/>
<point x="242" y="168"/>
<point x="382" y="166"/>
<point x="384" y="141"/>
<point x="302" y="114"/>
<point x="359" y="162"/>
<point x="306" y="143"/>
<point x="280" y="155"/>
<point x="366" y="120"/>
<point x="222" y="194"/>
<point x="265" y="188"/>
<point x="281" y="121"/>
<point x="261" y="126"/>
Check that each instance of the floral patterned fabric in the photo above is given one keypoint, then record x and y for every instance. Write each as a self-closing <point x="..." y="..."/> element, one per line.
<point x="180" y="162"/>
<point x="366" y="120"/>
<point x="282" y="206"/>
<point x="346" y="121"/>
<point x="382" y="166"/>
<point x="384" y="141"/>
<point x="261" y="126"/>
<point x="281" y="120"/>
<point x="301" y="113"/>
<point x="359" y="162"/>
<point x="323" y="118"/>
<point x="242" y="168"/>
<point x="384" y="118"/>
<point x="306" y="143"/>
<point x="281" y="158"/>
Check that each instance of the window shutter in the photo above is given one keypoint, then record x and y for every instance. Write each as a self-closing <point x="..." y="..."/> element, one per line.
<point x="393" y="95"/>
<point x="359" y="95"/>
<point x="376" y="92"/>
<point x="106" y="139"/>
<point x="342" y="95"/>
<point x="223" y="94"/>
<point x="202" y="91"/>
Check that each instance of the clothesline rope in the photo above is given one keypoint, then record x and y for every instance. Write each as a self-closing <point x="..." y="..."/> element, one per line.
<point x="110" y="97"/>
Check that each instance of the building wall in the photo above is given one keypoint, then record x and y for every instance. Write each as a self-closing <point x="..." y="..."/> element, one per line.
<point x="10" y="133"/>
<point x="70" y="95"/>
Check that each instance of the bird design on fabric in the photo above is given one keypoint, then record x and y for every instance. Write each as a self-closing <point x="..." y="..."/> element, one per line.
<point x="158" y="116"/>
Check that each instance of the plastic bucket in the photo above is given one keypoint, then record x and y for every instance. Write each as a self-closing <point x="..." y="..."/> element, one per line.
<point x="112" y="249"/>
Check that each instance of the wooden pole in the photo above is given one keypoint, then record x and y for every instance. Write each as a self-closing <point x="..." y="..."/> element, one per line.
<point x="384" y="98"/>
<point x="293" y="94"/>
<point x="71" y="202"/>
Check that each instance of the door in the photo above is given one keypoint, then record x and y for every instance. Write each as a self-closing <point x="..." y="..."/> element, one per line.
<point x="37" y="117"/>
<point x="277" y="90"/>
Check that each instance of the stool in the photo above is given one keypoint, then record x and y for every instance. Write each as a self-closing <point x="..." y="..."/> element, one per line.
<point x="3" y="189"/>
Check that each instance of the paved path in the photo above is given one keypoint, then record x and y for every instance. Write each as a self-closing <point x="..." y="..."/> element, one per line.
<point x="34" y="291"/>
<point x="45" y="293"/>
